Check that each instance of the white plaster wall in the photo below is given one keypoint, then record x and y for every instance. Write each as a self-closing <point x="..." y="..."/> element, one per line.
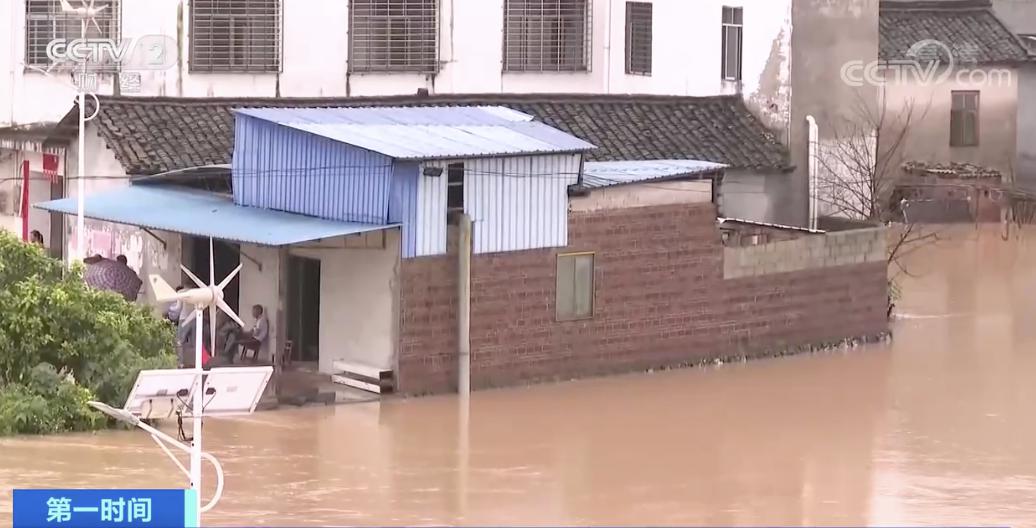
<point x="260" y="287"/>
<point x="686" y="56"/>
<point x="39" y="191"/>
<point x="744" y="195"/>
<point x="928" y="137"/>
<point x="358" y="291"/>
<point x="643" y="195"/>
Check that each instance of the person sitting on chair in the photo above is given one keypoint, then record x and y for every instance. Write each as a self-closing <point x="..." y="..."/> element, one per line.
<point x="256" y="339"/>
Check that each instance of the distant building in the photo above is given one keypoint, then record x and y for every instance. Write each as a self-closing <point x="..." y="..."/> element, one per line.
<point x="766" y="64"/>
<point x="955" y="79"/>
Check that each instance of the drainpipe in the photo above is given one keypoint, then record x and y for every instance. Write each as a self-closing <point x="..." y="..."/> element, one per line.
<point x="812" y="156"/>
<point x="25" y="201"/>
<point x="464" y="307"/>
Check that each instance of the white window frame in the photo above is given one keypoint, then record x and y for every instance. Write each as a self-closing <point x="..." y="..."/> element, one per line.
<point x="733" y="21"/>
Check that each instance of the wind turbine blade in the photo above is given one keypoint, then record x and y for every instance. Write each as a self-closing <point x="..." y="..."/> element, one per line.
<point x="190" y="318"/>
<point x="212" y="330"/>
<point x="212" y="265"/>
<point x="193" y="276"/>
<point x="163" y="291"/>
<point x="230" y="312"/>
<point x="66" y="6"/>
<point x="230" y="277"/>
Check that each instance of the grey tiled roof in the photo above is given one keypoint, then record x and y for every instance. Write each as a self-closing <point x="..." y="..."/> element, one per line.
<point x="150" y="135"/>
<point x="967" y="28"/>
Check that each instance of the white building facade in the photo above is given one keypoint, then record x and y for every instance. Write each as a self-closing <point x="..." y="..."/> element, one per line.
<point x="324" y="48"/>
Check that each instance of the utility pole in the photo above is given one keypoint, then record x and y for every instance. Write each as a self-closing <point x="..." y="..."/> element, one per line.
<point x="464" y="306"/>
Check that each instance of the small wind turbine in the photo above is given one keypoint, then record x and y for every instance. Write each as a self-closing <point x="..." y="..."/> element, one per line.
<point x="88" y="11"/>
<point x="204" y="296"/>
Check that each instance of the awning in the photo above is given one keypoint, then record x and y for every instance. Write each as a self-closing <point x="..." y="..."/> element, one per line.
<point x="205" y="214"/>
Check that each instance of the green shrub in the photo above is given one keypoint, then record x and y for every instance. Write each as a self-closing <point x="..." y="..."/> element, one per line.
<point x="50" y="319"/>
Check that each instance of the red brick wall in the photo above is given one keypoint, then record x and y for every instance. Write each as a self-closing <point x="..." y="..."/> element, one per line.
<point x="661" y="300"/>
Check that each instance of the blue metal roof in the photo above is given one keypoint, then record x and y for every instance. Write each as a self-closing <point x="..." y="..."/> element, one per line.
<point x="597" y="174"/>
<point x="418" y="133"/>
<point x="205" y="214"/>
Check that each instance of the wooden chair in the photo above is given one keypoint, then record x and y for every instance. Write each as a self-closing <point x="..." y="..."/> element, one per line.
<point x="250" y="346"/>
<point x="286" y="355"/>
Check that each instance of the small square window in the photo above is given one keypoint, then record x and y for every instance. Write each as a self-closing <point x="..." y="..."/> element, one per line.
<point x="964" y="119"/>
<point x="455" y="187"/>
<point x="574" y="297"/>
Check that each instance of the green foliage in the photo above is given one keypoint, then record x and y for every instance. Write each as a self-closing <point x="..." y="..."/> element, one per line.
<point x="46" y="403"/>
<point x="51" y="322"/>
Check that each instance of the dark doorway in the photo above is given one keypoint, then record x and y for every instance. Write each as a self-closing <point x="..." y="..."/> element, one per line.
<point x="227" y="259"/>
<point x="304" y="307"/>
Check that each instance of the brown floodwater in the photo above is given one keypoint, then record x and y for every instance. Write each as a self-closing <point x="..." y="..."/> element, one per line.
<point x="935" y="428"/>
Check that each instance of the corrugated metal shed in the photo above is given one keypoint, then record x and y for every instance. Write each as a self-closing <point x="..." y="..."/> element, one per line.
<point x="597" y="174"/>
<point x="289" y="170"/>
<point x="200" y="213"/>
<point x="428" y="133"/>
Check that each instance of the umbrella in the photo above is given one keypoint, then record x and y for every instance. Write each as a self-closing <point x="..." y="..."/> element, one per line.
<point x="113" y="276"/>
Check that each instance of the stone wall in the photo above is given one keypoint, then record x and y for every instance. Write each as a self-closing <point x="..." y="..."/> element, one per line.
<point x="661" y="300"/>
<point x="811" y="251"/>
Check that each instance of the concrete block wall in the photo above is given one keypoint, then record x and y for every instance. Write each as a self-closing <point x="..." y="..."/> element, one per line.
<point x="661" y="299"/>
<point x="811" y="251"/>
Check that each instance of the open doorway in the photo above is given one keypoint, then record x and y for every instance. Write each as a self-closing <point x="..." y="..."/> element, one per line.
<point x="304" y="307"/>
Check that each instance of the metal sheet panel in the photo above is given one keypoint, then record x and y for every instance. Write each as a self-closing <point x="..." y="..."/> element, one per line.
<point x="403" y="204"/>
<point x="597" y="174"/>
<point x="419" y="133"/>
<point x="517" y="203"/>
<point x="200" y="213"/>
<point x="280" y="168"/>
<point x="431" y="215"/>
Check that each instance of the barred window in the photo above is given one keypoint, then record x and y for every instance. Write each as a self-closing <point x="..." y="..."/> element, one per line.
<point x="45" y="22"/>
<point x="547" y="35"/>
<point x="235" y="36"/>
<point x="733" y="26"/>
<point x="638" y="38"/>
<point x="393" y="35"/>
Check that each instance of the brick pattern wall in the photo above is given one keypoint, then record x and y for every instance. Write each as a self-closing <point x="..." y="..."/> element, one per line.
<point x="811" y="251"/>
<point x="661" y="300"/>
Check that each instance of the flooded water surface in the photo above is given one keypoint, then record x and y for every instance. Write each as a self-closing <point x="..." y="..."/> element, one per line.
<point x="935" y="428"/>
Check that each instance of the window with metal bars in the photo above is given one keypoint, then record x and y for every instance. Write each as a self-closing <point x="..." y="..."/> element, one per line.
<point x="964" y="119"/>
<point x="733" y="27"/>
<point x="45" y="22"/>
<point x="547" y="35"/>
<point x="235" y="36"/>
<point x="393" y="36"/>
<point x="638" y="38"/>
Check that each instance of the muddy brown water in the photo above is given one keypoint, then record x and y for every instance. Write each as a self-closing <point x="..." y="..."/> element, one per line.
<point x="936" y="428"/>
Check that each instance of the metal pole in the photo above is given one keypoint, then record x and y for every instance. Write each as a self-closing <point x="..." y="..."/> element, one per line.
<point x="464" y="307"/>
<point x="464" y="360"/>
<point x="196" y="412"/>
<point x="81" y="164"/>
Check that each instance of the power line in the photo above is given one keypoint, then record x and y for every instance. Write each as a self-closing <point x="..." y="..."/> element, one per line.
<point x="307" y="172"/>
